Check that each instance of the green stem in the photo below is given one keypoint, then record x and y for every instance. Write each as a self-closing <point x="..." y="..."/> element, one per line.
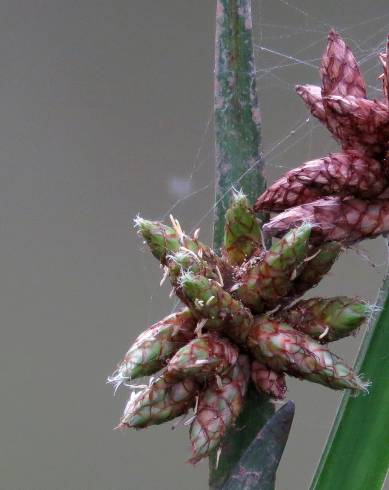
<point x="356" y="456"/>
<point x="237" y="116"/>
<point x="238" y="164"/>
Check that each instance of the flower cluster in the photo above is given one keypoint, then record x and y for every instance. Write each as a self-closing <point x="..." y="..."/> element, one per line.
<point x="343" y="195"/>
<point x="241" y="322"/>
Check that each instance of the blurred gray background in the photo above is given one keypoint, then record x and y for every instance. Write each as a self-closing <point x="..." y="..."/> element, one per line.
<point x="106" y="111"/>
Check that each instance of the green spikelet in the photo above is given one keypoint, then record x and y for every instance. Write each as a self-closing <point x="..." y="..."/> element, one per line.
<point x="269" y="280"/>
<point x="218" y="407"/>
<point x="242" y="232"/>
<point x="208" y="299"/>
<point x="316" y="268"/>
<point x="185" y="261"/>
<point x="162" y="239"/>
<point x="161" y="401"/>
<point x="165" y="242"/>
<point x="268" y="381"/>
<point x="285" y="349"/>
<point x="327" y="319"/>
<point x="202" y="357"/>
<point x="155" y="346"/>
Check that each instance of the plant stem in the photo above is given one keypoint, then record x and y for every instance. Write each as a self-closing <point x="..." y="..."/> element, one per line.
<point x="237" y="116"/>
<point x="356" y="456"/>
<point x="239" y="164"/>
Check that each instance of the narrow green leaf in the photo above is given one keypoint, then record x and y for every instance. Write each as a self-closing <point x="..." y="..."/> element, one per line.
<point x="256" y="468"/>
<point x="356" y="456"/>
<point x="239" y="165"/>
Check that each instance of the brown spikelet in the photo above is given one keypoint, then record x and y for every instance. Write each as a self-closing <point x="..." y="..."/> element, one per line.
<point x="285" y="349"/>
<point x="385" y="76"/>
<point x="338" y="173"/>
<point x="359" y="123"/>
<point x="218" y="407"/>
<point x="311" y="95"/>
<point x="203" y="357"/>
<point x="316" y="267"/>
<point x="161" y="401"/>
<point x="336" y="219"/>
<point x="268" y="381"/>
<point x="286" y="193"/>
<point x="339" y="70"/>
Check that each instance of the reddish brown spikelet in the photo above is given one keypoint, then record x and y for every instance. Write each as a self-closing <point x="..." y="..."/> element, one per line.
<point x="203" y="357"/>
<point x="339" y="70"/>
<point x="271" y="278"/>
<point x="161" y="401"/>
<point x="332" y="218"/>
<point x="311" y="95"/>
<point x="268" y="381"/>
<point x="316" y="267"/>
<point x="327" y="319"/>
<point x="286" y="193"/>
<point x="155" y="345"/>
<point x="359" y="123"/>
<point x="211" y="302"/>
<point x="218" y="407"/>
<point x="385" y="76"/>
<point x="284" y="349"/>
<point x="338" y="173"/>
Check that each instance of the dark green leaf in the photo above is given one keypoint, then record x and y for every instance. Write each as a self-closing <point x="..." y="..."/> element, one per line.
<point x="257" y="467"/>
<point x="356" y="456"/>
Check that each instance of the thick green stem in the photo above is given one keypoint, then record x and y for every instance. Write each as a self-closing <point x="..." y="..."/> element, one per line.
<point x="239" y="165"/>
<point x="237" y="116"/>
<point x="356" y="456"/>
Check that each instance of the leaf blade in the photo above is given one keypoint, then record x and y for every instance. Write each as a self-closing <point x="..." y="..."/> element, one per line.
<point x="356" y="456"/>
<point x="267" y="448"/>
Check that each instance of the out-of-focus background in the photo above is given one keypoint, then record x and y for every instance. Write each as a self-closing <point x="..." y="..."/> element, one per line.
<point x="106" y="111"/>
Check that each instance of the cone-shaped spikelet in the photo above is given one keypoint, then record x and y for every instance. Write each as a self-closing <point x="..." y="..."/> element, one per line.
<point x="218" y="407"/>
<point x="338" y="173"/>
<point x="271" y="278"/>
<point x="155" y="346"/>
<point x="163" y="240"/>
<point x="268" y="381"/>
<point x="311" y="95"/>
<point x="339" y="69"/>
<point x="385" y="76"/>
<point x="286" y="193"/>
<point x="186" y="261"/>
<point x="316" y="267"/>
<point x="203" y="357"/>
<point x="358" y="123"/>
<point x="209" y="300"/>
<point x="327" y="319"/>
<point x="242" y="233"/>
<point x="353" y="177"/>
<point x="161" y="401"/>
<point x="285" y="349"/>
<point x="336" y="219"/>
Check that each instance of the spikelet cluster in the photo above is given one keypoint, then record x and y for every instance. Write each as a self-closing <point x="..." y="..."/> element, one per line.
<point x="240" y="323"/>
<point x="344" y="195"/>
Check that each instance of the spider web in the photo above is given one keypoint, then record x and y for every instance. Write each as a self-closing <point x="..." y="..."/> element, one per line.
<point x="279" y="69"/>
<point x="286" y="54"/>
